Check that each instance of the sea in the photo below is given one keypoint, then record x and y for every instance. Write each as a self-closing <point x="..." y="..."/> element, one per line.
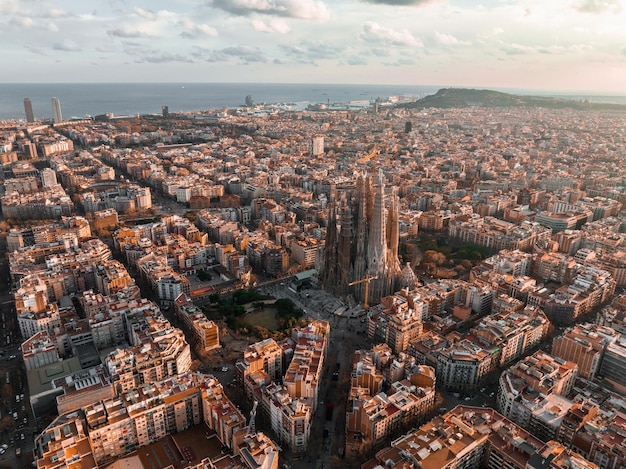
<point x="80" y="100"/>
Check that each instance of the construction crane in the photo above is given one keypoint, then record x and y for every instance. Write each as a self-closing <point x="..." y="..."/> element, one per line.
<point x="252" y="424"/>
<point x="373" y="152"/>
<point x="367" y="281"/>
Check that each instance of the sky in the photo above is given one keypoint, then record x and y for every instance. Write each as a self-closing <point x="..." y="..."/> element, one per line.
<point x="552" y="45"/>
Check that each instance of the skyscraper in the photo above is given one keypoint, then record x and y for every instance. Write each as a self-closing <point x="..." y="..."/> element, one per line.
<point x="316" y="146"/>
<point x="56" y="110"/>
<point x="28" y="107"/>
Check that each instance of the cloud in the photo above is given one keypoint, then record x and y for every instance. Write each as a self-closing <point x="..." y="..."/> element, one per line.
<point x="164" y="58"/>
<point x="356" y="60"/>
<point x="22" y="21"/>
<point x="520" y="49"/>
<point x="245" y="54"/>
<point x="53" y="28"/>
<point x="373" y="32"/>
<point x="302" y="9"/>
<point x="128" y="32"/>
<point x="19" y="7"/>
<point x="87" y="17"/>
<point x="448" y="39"/>
<point x="598" y="6"/>
<point x="401" y="62"/>
<point x="106" y="48"/>
<point x="147" y="14"/>
<point x="310" y="52"/>
<point x="399" y="2"/>
<point x="274" y="25"/>
<point x="380" y="52"/>
<point x="517" y="49"/>
<point x="55" y="13"/>
<point x="193" y="31"/>
<point x="10" y="7"/>
<point x="34" y="50"/>
<point x="66" y="45"/>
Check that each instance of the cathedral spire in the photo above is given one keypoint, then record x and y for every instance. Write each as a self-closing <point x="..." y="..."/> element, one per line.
<point x="360" y="238"/>
<point x="377" y="244"/>
<point x="330" y="250"/>
<point x="344" y="250"/>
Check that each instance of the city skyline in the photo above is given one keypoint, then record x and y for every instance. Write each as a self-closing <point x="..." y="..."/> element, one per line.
<point x="575" y="45"/>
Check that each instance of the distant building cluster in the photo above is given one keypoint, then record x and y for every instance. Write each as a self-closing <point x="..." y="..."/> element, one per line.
<point x="471" y="238"/>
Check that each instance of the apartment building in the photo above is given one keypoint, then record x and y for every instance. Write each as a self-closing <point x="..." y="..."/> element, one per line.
<point x="105" y="430"/>
<point x="204" y="333"/>
<point x="463" y="366"/>
<point x="497" y="234"/>
<point x="613" y="365"/>
<point x="556" y="456"/>
<point x="39" y="350"/>
<point x="589" y="288"/>
<point x="303" y="375"/>
<point x="265" y="356"/>
<point x="290" y="417"/>
<point x="157" y="350"/>
<point x="54" y="203"/>
<point x="514" y="333"/>
<point x="395" y="323"/>
<point x="584" y="344"/>
<point x="465" y="437"/>
<point x="372" y="417"/>
<point x="525" y="391"/>
<point x="82" y="388"/>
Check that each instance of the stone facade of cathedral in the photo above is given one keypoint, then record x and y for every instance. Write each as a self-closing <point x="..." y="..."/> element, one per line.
<point x="362" y="241"/>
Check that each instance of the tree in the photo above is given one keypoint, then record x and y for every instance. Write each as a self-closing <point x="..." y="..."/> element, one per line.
<point x="7" y="423"/>
<point x="434" y="257"/>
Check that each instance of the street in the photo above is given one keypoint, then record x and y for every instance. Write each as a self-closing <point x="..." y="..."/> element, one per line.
<point x="17" y="425"/>
<point x="347" y="334"/>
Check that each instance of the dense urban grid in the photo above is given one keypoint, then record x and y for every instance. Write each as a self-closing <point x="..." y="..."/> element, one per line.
<point x="385" y="287"/>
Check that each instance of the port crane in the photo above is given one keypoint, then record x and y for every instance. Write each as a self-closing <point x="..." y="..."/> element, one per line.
<point x="367" y="281"/>
<point x="373" y="152"/>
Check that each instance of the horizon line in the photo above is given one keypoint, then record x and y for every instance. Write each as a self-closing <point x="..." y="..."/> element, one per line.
<point x="441" y="86"/>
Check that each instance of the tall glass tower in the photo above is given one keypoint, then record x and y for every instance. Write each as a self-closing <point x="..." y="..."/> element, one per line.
<point x="28" y="108"/>
<point x="56" y="110"/>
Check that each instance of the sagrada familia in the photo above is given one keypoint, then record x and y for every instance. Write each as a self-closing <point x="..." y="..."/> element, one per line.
<point x="362" y="241"/>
